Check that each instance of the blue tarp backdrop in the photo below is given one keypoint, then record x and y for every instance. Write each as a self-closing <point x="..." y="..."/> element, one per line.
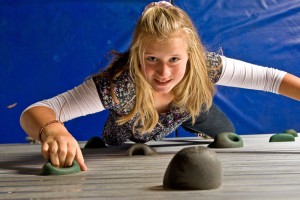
<point x="49" y="46"/>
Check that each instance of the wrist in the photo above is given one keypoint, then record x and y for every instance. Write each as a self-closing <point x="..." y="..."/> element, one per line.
<point x="46" y="127"/>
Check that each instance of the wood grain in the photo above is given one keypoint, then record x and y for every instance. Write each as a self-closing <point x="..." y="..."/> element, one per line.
<point x="259" y="170"/>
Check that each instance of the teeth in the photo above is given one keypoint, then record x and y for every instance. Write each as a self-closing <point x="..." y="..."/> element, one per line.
<point x="162" y="81"/>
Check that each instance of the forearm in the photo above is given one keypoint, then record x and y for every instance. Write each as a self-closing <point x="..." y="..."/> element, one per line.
<point x="80" y="101"/>
<point x="33" y="119"/>
<point x="290" y="86"/>
<point x="58" y="146"/>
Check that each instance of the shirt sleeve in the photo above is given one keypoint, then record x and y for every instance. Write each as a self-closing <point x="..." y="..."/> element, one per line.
<point x="236" y="73"/>
<point x="214" y="66"/>
<point x="79" y="101"/>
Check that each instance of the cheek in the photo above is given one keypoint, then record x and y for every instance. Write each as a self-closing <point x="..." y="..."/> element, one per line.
<point x="181" y="72"/>
<point x="147" y="71"/>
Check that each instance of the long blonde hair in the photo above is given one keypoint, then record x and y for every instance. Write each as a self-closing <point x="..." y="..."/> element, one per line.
<point x="193" y="92"/>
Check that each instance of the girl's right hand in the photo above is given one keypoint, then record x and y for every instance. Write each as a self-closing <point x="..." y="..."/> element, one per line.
<point x="61" y="149"/>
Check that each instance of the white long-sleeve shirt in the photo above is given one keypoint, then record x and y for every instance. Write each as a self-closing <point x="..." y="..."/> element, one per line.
<point x="84" y="99"/>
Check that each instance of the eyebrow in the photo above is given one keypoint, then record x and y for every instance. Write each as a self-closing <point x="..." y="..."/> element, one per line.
<point x="175" y="55"/>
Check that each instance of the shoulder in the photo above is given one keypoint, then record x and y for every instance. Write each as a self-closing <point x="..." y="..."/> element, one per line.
<point x="213" y="59"/>
<point x="122" y="87"/>
<point x="214" y="66"/>
<point x="101" y="80"/>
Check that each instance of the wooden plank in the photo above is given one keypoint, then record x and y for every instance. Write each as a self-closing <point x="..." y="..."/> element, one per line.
<point x="260" y="170"/>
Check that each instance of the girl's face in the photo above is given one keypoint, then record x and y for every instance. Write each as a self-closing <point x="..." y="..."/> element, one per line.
<point x="165" y="63"/>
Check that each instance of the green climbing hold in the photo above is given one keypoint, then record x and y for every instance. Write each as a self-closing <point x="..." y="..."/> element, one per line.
<point x="227" y="140"/>
<point x="282" y="137"/>
<point x="141" y="149"/>
<point x="49" y="169"/>
<point x="292" y="132"/>
<point x="94" y="142"/>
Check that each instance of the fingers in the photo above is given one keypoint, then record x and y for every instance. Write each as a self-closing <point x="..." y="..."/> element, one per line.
<point x="62" y="154"/>
<point x="49" y="152"/>
<point x="53" y="155"/>
<point x="44" y="150"/>
<point x="80" y="159"/>
<point x="70" y="155"/>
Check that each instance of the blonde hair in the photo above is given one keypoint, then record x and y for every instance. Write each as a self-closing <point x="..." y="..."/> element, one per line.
<point x="193" y="92"/>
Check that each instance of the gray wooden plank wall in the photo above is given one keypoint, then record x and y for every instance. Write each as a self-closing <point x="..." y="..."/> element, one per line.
<point x="259" y="170"/>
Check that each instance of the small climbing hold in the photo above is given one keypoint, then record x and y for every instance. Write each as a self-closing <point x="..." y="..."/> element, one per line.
<point x="141" y="149"/>
<point x="282" y="137"/>
<point x="49" y="169"/>
<point x="227" y="140"/>
<point x="194" y="168"/>
<point x="95" y="142"/>
<point x="292" y="132"/>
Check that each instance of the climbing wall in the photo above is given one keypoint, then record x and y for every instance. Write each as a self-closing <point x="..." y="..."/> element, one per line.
<point x="48" y="47"/>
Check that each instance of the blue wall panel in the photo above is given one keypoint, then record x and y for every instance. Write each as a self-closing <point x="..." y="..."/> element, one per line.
<point x="47" y="47"/>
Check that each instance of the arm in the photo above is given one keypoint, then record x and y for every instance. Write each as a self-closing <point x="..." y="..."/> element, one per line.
<point x="290" y="86"/>
<point x="236" y="73"/>
<point x="58" y="144"/>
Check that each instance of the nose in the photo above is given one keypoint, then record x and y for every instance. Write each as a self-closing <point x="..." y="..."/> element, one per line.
<point x="164" y="71"/>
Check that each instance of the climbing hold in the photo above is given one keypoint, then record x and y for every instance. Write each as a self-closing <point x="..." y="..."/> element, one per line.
<point x="282" y="137"/>
<point x="94" y="142"/>
<point x="141" y="149"/>
<point x="49" y="169"/>
<point x="194" y="168"/>
<point x="227" y="140"/>
<point x="292" y="132"/>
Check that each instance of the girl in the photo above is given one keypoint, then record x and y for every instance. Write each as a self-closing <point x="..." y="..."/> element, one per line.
<point x="163" y="81"/>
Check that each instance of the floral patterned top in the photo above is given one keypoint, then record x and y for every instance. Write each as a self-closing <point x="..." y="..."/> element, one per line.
<point x="124" y="89"/>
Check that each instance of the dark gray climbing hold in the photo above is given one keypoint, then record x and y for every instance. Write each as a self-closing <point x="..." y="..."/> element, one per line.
<point x="141" y="149"/>
<point x="95" y="142"/>
<point x="292" y="132"/>
<point x="194" y="168"/>
<point x="227" y="140"/>
<point x="282" y="137"/>
<point x="49" y="169"/>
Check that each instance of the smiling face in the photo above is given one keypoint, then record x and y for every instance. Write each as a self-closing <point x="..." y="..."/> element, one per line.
<point x="165" y="63"/>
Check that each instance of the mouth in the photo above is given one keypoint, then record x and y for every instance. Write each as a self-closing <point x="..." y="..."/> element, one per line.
<point x="162" y="82"/>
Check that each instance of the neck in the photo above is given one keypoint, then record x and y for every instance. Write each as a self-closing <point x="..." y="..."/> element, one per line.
<point x="162" y="102"/>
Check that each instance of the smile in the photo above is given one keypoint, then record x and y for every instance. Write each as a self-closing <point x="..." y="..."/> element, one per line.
<point x="162" y="82"/>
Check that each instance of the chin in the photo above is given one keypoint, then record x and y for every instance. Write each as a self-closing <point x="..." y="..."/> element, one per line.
<point x="162" y="91"/>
